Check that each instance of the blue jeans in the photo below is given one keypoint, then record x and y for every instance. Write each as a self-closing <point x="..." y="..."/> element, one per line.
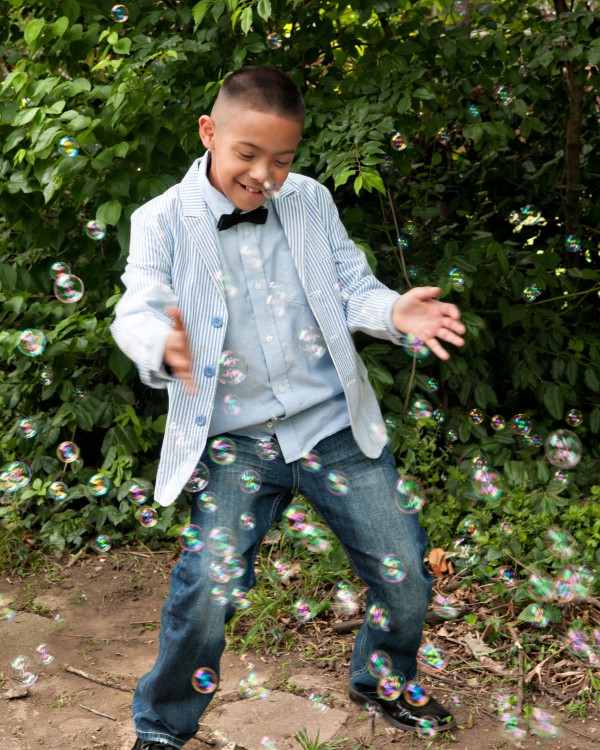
<point x="166" y="708"/>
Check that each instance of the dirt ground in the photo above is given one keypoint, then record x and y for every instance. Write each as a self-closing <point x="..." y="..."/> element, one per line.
<point x="99" y="620"/>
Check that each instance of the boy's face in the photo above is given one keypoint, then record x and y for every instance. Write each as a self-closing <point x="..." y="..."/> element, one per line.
<point x="248" y="148"/>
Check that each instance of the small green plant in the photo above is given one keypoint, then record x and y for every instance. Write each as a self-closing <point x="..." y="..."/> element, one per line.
<point x="308" y="743"/>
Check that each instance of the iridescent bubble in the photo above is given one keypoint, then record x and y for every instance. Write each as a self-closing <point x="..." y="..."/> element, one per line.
<point x="379" y="664"/>
<point x="533" y="439"/>
<point x="521" y="424"/>
<point x="217" y="571"/>
<point x="239" y="598"/>
<point x="345" y="599"/>
<point x="476" y="416"/>
<point x="316" y="538"/>
<point x="251" y="256"/>
<point x="392" y="569"/>
<point x="205" y="680"/>
<point x="443" y="135"/>
<point x="390" y="423"/>
<point x="58" y="269"/>
<point x="572" y="243"/>
<point x="26" y="428"/>
<point x="563" y="449"/>
<point x="276" y="299"/>
<point x="102" y="543"/>
<point x="544" y="724"/>
<point x="505" y="528"/>
<point x="433" y="657"/>
<point x="436" y="237"/>
<point x="415" y="694"/>
<point x="270" y="189"/>
<point x="295" y="521"/>
<point x="378" y="617"/>
<point x="232" y="368"/>
<point x="559" y="481"/>
<point x="95" y="230"/>
<point x="565" y="584"/>
<point x="223" y="451"/>
<point x="471" y="528"/>
<point x="420" y="409"/>
<point x="507" y="576"/>
<point x="147" y="517"/>
<point x="232" y="404"/>
<point x="414" y="346"/>
<point x="337" y="482"/>
<point x="274" y="41"/>
<point x="388" y="166"/>
<point x="21" y="672"/>
<point x="486" y="483"/>
<point x="68" y="146"/>
<point x="456" y="278"/>
<point x="235" y="565"/>
<point x="409" y="495"/>
<point x="398" y="142"/>
<point x="221" y="541"/>
<point x="560" y="543"/>
<point x="497" y="422"/>
<point x="247" y="521"/>
<point x="80" y="394"/>
<point x="318" y="702"/>
<point x="219" y="596"/>
<point x="389" y="687"/>
<point x="46" y="377"/>
<point x="540" y="588"/>
<point x="530" y="215"/>
<point x="190" y="539"/>
<point x="433" y="385"/>
<point x="310" y="343"/>
<point x="31" y="342"/>
<point x="228" y="284"/>
<point x="403" y="243"/>
<point x="267" y="448"/>
<point x="249" y="481"/>
<point x="199" y="479"/>
<point x="302" y="610"/>
<point x="446" y="607"/>
<point x="531" y="293"/>
<point x="474" y="111"/>
<point x="43" y="655"/>
<point x="138" y="493"/>
<point x="67" y="452"/>
<point x="14" y="476"/>
<point x="574" y="418"/>
<point x="58" y="491"/>
<point x="514" y="217"/>
<point x="427" y="726"/>
<point x="68" y="288"/>
<point x="6" y="613"/>
<point x="252" y="687"/>
<point x="207" y="502"/>
<point x="504" y="94"/>
<point x="410" y="227"/>
<point x="282" y="568"/>
<point x="439" y="416"/>
<point x="311" y="462"/>
<point x="98" y="485"/>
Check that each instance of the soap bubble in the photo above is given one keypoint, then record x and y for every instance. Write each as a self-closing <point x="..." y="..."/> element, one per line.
<point x="505" y="528"/>
<point x="409" y="495"/>
<point x="95" y="230"/>
<point x="221" y="541"/>
<point x="318" y="701"/>
<point x="223" y="451"/>
<point x="21" y="671"/>
<point x="207" y="502"/>
<point x="471" y="528"/>
<point x="219" y="596"/>
<point x="420" y="409"/>
<point x="456" y="278"/>
<point x="574" y="418"/>
<point x="443" y="135"/>
<point x="138" y="493"/>
<point x="14" y="476"/>
<point x="58" y="269"/>
<point x="507" y="576"/>
<point x="190" y="539"/>
<point x="439" y="416"/>
<point x="486" y="483"/>
<point x="249" y="481"/>
<point x="6" y="613"/>
<point x="217" y="571"/>
<point x="446" y="607"/>
<point x="398" y="142"/>
<point x="98" y="485"/>
<point x="451" y="435"/>
<point x="44" y="657"/>
<point x="233" y="368"/>
<point x="276" y="299"/>
<point x="540" y="588"/>
<point x="316" y="537"/>
<point x="392" y="569"/>
<point x="270" y="189"/>
<point x="228" y="284"/>
<point x="504" y="94"/>
<point x="572" y="243"/>
<point x="345" y="599"/>
<point x="295" y="521"/>
<point x="102" y="543"/>
<point x="67" y="452"/>
<point x="235" y="565"/>
<point x="199" y="479"/>
<point x="543" y="724"/>
<point x="205" y="680"/>
<point x="310" y="343"/>
<point x="68" y="146"/>
<point x="414" y="346"/>
<point x="337" y="482"/>
<point x="388" y="166"/>
<point x="26" y="428"/>
<point x="267" y="448"/>
<point x="311" y="462"/>
<point x="119" y="13"/>
<point x="560" y="543"/>
<point x="432" y="657"/>
<point x="46" y="377"/>
<point x="403" y="243"/>
<point x="31" y="342"/>
<point x="497" y="422"/>
<point x="474" y="111"/>
<point x="239" y="598"/>
<point x="232" y="404"/>
<point x="531" y="293"/>
<point x="379" y="664"/>
<point x="274" y="41"/>
<point x="302" y="610"/>
<point x="530" y="215"/>
<point x="476" y="416"/>
<point x="389" y="687"/>
<point x="410" y="227"/>
<point x="415" y="694"/>
<point x="282" y="568"/>
<point x="563" y="449"/>
<point x="378" y="617"/>
<point x="58" y="491"/>
<point x="147" y="517"/>
<point x="433" y="385"/>
<point x="68" y="288"/>
<point x="521" y="424"/>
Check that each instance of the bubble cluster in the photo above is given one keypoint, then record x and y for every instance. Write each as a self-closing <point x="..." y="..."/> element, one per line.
<point x="398" y="142"/>
<point x="31" y="342"/>
<point x="563" y="449"/>
<point x="205" y="680"/>
<point x="95" y="230"/>
<point x="68" y="288"/>
<point x="68" y="146"/>
<point x="409" y="495"/>
<point x="310" y="343"/>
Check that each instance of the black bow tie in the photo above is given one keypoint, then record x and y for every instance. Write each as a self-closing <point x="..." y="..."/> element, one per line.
<point x="258" y="216"/>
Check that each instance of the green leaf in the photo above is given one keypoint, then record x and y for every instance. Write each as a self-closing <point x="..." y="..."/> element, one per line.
<point x="198" y="12"/>
<point x="553" y="400"/>
<point x="246" y="19"/>
<point x="59" y="27"/>
<point x="33" y="30"/>
<point x="109" y="212"/>
<point x="590" y="378"/>
<point x="264" y="9"/>
<point x="120" y="364"/>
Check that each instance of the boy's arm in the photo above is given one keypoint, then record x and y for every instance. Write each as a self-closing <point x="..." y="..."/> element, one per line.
<point x="142" y="322"/>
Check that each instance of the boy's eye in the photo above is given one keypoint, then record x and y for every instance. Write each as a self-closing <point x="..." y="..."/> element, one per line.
<point x="246" y="156"/>
<point x="281" y="164"/>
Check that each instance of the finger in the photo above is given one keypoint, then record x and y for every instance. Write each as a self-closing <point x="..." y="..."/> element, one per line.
<point x="452" y="338"/>
<point x="437" y="349"/>
<point x="175" y="314"/>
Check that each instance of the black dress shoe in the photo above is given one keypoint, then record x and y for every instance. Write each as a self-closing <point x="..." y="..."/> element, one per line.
<point x="427" y="719"/>
<point x="150" y="745"/>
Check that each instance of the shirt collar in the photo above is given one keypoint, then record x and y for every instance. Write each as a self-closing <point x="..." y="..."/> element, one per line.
<point x="215" y="200"/>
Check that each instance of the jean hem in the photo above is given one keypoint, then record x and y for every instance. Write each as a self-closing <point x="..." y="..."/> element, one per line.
<point x="164" y="739"/>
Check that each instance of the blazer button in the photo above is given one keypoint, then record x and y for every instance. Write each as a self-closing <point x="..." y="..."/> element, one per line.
<point x="217" y="321"/>
<point x="209" y="371"/>
<point x="201" y="420"/>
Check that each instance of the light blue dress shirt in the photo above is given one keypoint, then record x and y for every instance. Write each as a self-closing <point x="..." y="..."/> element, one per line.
<point x="276" y="376"/>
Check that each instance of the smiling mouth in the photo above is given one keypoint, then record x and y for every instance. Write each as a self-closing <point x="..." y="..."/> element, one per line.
<point x="254" y="191"/>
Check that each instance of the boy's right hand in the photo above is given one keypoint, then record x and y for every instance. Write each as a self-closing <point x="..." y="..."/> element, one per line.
<point x="177" y="353"/>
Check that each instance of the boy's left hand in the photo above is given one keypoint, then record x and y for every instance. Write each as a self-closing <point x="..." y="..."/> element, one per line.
<point x="419" y="312"/>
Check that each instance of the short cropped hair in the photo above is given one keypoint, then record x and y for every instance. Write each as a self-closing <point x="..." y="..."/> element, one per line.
<point x="264" y="89"/>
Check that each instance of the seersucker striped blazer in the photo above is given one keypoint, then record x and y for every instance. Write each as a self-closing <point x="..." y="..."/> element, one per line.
<point x="174" y="260"/>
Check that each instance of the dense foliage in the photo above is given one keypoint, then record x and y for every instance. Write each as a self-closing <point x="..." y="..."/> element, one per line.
<point x="495" y="109"/>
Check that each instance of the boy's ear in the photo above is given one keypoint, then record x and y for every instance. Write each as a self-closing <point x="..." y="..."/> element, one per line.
<point x="206" y="127"/>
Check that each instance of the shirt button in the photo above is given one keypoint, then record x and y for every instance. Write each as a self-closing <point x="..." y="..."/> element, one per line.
<point x="269" y="339"/>
<point x="200" y="420"/>
<point x="281" y="389"/>
<point x="246" y="233"/>
<point x="257" y="285"/>
<point x="217" y="321"/>
<point x="269" y="424"/>
<point x="209" y="371"/>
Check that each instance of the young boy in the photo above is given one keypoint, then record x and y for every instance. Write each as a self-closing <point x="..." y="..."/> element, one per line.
<point x="244" y="306"/>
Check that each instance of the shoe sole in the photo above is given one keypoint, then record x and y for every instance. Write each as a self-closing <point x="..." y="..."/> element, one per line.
<point x="361" y="699"/>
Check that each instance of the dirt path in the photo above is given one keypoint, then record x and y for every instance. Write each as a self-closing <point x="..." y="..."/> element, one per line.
<point x="100" y="618"/>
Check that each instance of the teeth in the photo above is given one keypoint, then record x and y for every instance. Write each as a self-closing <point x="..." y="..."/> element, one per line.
<point x="250" y="190"/>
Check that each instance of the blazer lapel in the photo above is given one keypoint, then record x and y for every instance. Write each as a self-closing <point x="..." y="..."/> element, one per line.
<point x="290" y="209"/>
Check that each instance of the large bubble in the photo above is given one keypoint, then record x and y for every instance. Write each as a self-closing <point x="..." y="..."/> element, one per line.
<point x="563" y="449"/>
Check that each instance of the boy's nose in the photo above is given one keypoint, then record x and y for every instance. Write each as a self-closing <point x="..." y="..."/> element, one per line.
<point x="259" y="172"/>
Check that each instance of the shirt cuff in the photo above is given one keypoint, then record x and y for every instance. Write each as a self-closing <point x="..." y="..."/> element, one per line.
<point x="396" y="336"/>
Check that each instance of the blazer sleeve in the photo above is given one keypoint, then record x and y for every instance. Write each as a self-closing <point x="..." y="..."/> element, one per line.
<point x="367" y="301"/>
<point x="141" y="325"/>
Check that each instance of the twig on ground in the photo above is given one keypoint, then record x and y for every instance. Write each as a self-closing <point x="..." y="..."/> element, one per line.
<point x="97" y="680"/>
<point x="98" y="713"/>
<point x="74" y="558"/>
